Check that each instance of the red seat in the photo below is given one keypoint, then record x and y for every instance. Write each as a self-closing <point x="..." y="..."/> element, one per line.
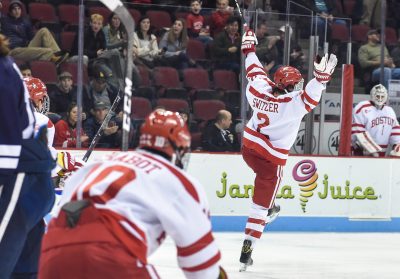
<point x="144" y="76"/>
<point x="43" y="12"/>
<point x="67" y="39"/>
<point x="166" y="79"/>
<point x="196" y="80"/>
<point x="205" y="110"/>
<point x="173" y="104"/>
<point x="73" y="69"/>
<point x="359" y="33"/>
<point x="225" y="80"/>
<point x="340" y="33"/>
<point x="390" y="36"/>
<point x="196" y="50"/>
<point x="68" y="14"/>
<point x="105" y="12"/>
<point x="136" y="15"/>
<point x="141" y="107"/>
<point x="146" y="88"/>
<point x="181" y="15"/>
<point x="159" y="19"/>
<point x="46" y="71"/>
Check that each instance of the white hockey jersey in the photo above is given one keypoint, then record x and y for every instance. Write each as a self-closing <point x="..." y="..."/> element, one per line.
<point x="274" y="125"/>
<point x="381" y="124"/>
<point x="143" y="197"/>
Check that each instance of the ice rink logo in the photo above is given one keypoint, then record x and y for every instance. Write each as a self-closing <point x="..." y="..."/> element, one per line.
<point x="306" y="174"/>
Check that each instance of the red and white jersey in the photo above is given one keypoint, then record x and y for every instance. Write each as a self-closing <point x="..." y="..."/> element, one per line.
<point x="43" y="120"/>
<point x="274" y="125"/>
<point x="142" y="197"/>
<point x="381" y="124"/>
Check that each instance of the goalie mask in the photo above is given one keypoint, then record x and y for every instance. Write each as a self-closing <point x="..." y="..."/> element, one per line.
<point x="38" y="94"/>
<point x="288" y="79"/>
<point x="166" y="132"/>
<point x="379" y="95"/>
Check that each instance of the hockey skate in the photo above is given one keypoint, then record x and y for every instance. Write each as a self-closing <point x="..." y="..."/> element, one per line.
<point x="273" y="213"/>
<point x="245" y="256"/>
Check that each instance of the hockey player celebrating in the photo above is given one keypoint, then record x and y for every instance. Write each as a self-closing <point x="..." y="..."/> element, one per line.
<point x="116" y="213"/>
<point x="375" y="126"/>
<point x="278" y="108"/>
<point x="26" y="190"/>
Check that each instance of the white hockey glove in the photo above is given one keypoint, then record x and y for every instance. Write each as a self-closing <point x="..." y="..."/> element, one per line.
<point x="396" y="151"/>
<point x="324" y="67"/>
<point x="249" y="42"/>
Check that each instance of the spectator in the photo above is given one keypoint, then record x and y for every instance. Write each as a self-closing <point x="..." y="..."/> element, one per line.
<point x="100" y="90"/>
<point x="296" y="59"/>
<point x="66" y="129"/>
<point x="115" y="53"/>
<point x="266" y="49"/>
<point x="94" y="41"/>
<point x="63" y="95"/>
<point x="220" y="17"/>
<point x="226" y="47"/>
<point x="369" y="57"/>
<point x="195" y="23"/>
<point x="111" y="135"/>
<point x="326" y="11"/>
<point x="23" y="43"/>
<point x="396" y="54"/>
<point x="174" y="44"/>
<point x="145" y="44"/>
<point x="25" y="70"/>
<point x="375" y="126"/>
<point x="371" y="13"/>
<point x="217" y="136"/>
<point x="115" y="33"/>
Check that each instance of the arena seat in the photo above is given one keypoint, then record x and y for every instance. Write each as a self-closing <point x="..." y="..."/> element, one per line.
<point x="68" y="15"/>
<point x="43" y="12"/>
<point x="44" y="70"/>
<point x="198" y="83"/>
<point x="173" y="104"/>
<point x="67" y="39"/>
<point x="166" y="80"/>
<point x="205" y="110"/>
<point x="359" y="33"/>
<point x="340" y="33"/>
<point x="159" y="19"/>
<point x="141" y="107"/>
<point x="73" y="69"/>
<point x="225" y="80"/>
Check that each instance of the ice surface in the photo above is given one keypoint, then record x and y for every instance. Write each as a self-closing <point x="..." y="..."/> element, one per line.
<point x="301" y="255"/>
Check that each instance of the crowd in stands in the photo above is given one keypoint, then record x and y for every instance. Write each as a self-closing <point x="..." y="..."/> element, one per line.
<point x="185" y="51"/>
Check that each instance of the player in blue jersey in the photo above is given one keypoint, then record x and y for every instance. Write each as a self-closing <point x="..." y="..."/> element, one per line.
<point x="26" y="189"/>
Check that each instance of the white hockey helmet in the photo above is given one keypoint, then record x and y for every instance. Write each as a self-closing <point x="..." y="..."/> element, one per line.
<point x="379" y="95"/>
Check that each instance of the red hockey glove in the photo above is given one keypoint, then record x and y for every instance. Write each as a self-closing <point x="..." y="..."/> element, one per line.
<point x="324" y="67"/>
<point x="249" y="42"/>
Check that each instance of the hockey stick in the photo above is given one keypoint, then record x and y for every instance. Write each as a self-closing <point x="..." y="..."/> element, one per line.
<point x="118" y="8"/>
<point x="241" y="15"/>
<point x="99" y="132"/>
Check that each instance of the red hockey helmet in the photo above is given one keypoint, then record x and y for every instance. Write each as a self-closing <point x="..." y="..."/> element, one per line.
<point x="38" y="94"/>
<point x="287" y="77"/>
<point x="165" y="131"/>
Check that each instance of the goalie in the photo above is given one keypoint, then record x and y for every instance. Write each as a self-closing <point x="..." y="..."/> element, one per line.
<point x="375" y="127"/>
<point x="278" y="108"/>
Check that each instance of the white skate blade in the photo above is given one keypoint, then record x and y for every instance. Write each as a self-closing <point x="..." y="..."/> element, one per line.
<point x="243" y="267"/>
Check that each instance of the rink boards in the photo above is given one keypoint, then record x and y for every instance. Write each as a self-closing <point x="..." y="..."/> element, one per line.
<point x="327" y="194"/>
